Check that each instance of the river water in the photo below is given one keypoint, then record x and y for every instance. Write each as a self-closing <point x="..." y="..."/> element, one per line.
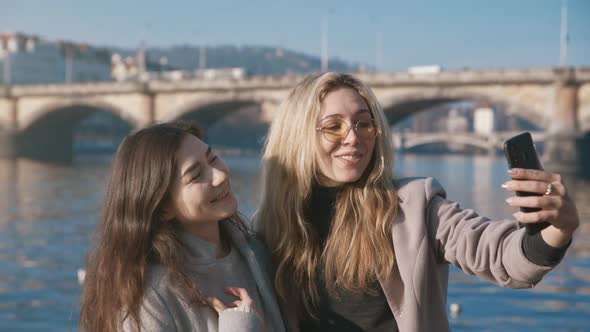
<point x="48" y="214"/>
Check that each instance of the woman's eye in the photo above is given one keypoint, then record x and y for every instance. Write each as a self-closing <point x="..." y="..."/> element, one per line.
<point x="213" y="159"/>
<point x="334" y="127"/>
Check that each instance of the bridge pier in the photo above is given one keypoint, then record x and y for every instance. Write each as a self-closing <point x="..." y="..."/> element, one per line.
<point x="561" y="153"/>
<point x="47" y="144"/>
<point x="583" y="154"/>
<point x="8" y="148"/>
<point x="562" y="144"/>
<point x="493" y="143"/>
<point x="8" y="134"/>
<point x="492" y="150"/>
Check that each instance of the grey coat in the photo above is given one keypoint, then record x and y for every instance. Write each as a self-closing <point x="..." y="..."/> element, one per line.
<point x="163" y="310"/>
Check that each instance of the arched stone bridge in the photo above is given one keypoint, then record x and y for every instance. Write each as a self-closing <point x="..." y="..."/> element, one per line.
<point x="37" y="121"/>
<point x="491" y="142"/>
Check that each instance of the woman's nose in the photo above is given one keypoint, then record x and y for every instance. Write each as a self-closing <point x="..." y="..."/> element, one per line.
<point x="219" y="176"/>
<point x="351" y="137"/>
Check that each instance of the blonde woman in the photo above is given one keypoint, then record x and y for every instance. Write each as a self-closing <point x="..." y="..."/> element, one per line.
<point x="355" y="250"/>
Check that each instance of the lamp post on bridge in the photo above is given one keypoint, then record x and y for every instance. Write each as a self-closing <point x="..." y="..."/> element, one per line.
<point x="7" y="69"/>
<point x="141" y="60"/>
<point x="324" y="49"/>
<point x="378" y="44"/>
<point x="202" y="59"/>
<point x="379" y="51"/>
<point x="69" y="63"/>
<point x="563" y="34"/>
<point x="563" y="144"/>
<point x="324" y="44"/>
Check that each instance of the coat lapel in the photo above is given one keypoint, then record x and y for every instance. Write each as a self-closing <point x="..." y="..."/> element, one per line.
<point x="393" y="286"/>
<point x="254" y="255"/>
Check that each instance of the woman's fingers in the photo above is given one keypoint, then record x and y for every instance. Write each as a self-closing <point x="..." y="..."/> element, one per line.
<point x="242" y="293"/>
<point x="533" y="174"/>
<point x="549" y="202"/>
<point x="216" y="304"/>
<point x="555" y="205"/>
<point x="538" y="187"/>
<point x="535" y="217"/>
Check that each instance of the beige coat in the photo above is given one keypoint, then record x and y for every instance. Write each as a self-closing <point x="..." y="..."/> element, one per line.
<point x="428" y="233"/>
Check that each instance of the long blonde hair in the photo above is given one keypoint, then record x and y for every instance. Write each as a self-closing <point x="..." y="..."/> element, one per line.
<point x="359" y="247"/>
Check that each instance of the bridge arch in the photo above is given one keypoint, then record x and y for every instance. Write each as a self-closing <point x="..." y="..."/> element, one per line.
<point x="481" y="142"/>
<point x="585" y="124"/>
<point x="73" y="111"/>
<point x="239" y="123"/>
<point x="207" y="111"/>
<point x="399" y="107"/>
<point x="50" y="134"/>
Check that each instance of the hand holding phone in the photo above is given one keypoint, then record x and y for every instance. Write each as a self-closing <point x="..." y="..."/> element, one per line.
<point x="521" y="153"/>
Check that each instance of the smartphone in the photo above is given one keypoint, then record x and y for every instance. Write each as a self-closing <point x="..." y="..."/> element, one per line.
<point x="521" y="153"/>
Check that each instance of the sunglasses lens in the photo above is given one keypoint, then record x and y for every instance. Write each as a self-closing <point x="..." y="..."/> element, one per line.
<point x="334" y="129"/>
<point x="365" y="129"/>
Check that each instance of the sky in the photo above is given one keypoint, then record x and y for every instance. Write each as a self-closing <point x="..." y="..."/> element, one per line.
<point x="450" y="33"/>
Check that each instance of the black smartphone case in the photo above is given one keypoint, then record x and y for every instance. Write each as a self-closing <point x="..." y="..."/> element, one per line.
<point x="521" y="153"/>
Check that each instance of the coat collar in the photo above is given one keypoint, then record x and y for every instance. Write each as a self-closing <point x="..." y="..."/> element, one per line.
<point x="260" y="267"/>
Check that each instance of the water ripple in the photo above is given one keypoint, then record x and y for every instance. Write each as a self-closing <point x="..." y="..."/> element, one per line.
<point x="48" y="214"/>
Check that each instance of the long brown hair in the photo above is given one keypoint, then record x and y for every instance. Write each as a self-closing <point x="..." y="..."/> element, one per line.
<point x="132" y="234"/>
<point x="359" y="247"/>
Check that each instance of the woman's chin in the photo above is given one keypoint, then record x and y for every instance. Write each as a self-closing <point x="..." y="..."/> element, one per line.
<point x="230" y="205"/>
<point x="340" y="180"/>
<point x="349" y="176"/>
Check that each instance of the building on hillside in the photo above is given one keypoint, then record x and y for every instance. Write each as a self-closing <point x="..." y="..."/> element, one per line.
<point x="140" y="68"/>
<point x="483" y="121"/>
<point x="29" y="59"/>
<point x="457" y="123"/>
<point x="124" y="68"/>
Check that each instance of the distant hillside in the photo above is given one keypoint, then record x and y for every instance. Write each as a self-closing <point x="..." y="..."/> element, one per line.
<point x="258" y="60"/>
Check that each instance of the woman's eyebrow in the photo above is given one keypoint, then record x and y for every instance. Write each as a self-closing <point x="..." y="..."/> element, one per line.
<point x="196" y="163"/>
<point x="192" y="167"/>
<point x="359" y="112"/>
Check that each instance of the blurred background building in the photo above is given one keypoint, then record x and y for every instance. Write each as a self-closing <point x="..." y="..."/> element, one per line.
<point x="29" y="59"/>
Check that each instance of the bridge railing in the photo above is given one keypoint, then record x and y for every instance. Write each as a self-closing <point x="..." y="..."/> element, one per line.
<point x="464" y="76"/>
<point x="485" y="141"/>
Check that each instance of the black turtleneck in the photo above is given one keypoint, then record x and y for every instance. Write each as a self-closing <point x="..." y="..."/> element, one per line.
<point x="347" y="312"/>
